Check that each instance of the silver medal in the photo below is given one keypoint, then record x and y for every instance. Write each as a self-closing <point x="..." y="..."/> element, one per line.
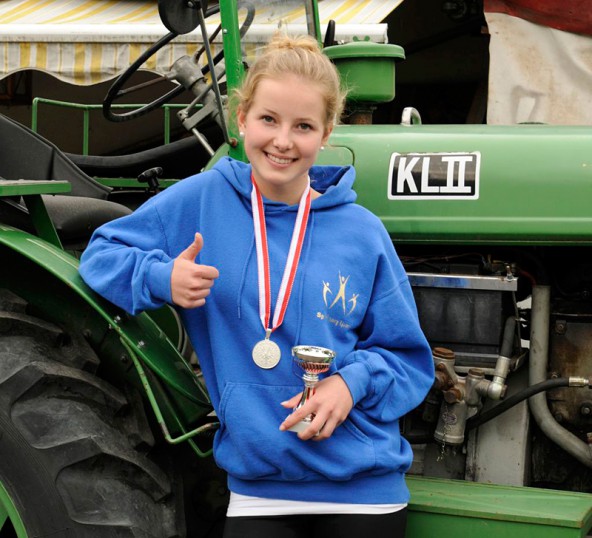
<point x="266" y="354"/>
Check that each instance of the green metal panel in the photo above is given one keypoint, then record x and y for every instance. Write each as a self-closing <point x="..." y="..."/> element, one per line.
<point x="332" y="155"/>
<point x="31" y="192"/>
<point x="233" y="61"/>
<point x="422" y="525"/>
<point x="453" y="508"/>
<point x="526" y="193"/>
<point x="312" y="19"/>
<point x="25" y="187"/>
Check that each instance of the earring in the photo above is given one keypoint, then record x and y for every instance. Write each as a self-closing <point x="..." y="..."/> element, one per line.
<point x="241" y="134"/>
<point x="322" y="148"/>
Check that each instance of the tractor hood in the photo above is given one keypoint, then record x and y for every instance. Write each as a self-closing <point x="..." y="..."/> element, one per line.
<point x="518" y="184"/>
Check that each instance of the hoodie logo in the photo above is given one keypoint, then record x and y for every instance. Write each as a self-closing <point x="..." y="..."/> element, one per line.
<point x="338" y="301"/>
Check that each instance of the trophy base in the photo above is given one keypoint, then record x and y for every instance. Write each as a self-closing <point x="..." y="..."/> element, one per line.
<point x="300" y="426"/>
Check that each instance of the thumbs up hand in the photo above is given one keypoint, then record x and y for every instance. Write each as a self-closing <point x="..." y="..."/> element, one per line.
<point x="191" y="282"/>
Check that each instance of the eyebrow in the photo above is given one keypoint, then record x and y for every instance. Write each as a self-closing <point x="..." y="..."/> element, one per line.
<point x="272" y="112"/>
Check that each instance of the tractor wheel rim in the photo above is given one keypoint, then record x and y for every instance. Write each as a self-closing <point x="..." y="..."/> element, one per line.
<point x="9" y="514"/>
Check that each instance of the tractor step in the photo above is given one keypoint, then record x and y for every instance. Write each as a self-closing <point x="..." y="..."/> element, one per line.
<point x="453" y="508"/>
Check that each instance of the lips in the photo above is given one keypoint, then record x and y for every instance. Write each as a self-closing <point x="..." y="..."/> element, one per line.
<point x="279" y="160"/>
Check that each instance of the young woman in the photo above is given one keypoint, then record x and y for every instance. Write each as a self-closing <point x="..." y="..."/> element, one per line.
<point x="262" y="257"/>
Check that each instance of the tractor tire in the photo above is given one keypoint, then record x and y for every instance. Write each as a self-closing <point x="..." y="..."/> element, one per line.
<point x="75" y="451"/>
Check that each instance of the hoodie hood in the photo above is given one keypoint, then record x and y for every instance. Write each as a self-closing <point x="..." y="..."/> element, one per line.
<point x="333" y="182"/>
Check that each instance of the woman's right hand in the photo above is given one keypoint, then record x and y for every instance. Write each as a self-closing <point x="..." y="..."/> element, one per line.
<point x="191" y="282"/>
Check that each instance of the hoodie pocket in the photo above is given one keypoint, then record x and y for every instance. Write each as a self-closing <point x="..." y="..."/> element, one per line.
<point x="250" y="445"/>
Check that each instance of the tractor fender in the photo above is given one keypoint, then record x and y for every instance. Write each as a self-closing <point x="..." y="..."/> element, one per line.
<point x="47" y="277"/>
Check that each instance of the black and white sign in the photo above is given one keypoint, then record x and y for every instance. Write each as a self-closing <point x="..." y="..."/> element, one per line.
<point x="441" y="176"/>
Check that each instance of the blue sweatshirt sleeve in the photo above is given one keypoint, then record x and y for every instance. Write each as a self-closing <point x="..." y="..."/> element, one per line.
<point x="127" y="261"/>
<point x="392" y="369"/>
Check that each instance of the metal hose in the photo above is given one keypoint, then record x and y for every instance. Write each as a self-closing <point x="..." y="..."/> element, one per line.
<point x="539" y="353"/>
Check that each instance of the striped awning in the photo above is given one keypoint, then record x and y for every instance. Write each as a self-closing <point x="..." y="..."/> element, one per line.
<point x="85" y="42"/>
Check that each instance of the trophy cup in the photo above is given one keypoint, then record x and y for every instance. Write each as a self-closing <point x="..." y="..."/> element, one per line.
<point x="313" y="360"/>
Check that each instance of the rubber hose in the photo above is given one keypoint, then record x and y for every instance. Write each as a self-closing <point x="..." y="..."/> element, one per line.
<point x="515" y="399"/>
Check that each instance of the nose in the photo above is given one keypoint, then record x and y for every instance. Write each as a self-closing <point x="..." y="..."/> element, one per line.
<point x="282" y="140"/>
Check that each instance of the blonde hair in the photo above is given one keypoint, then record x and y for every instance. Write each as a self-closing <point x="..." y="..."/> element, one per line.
<point x="299" y="56"/>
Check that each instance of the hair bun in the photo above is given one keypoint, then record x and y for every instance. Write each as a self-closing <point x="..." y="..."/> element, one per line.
<point x="282" y="41"/>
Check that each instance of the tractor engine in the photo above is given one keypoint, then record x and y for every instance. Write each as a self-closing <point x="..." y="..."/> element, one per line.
<point x="495" y="347"/>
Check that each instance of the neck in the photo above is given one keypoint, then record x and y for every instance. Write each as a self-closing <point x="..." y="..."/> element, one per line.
<point x="288" y="196"/>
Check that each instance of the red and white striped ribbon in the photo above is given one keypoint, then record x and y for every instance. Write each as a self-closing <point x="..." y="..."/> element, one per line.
<point x="263" y="258"/>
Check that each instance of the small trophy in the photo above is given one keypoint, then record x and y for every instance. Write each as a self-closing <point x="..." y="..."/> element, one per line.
<point x="313" y="360"/>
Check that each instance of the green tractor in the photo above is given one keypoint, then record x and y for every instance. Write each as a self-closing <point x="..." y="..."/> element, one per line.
<point x="106" y="427"/>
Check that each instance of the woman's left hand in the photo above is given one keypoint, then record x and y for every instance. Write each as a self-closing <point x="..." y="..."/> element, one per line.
<point x="331" y="404"/>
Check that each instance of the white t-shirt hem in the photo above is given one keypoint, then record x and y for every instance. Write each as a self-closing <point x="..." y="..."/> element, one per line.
<point x="245" y="505"/>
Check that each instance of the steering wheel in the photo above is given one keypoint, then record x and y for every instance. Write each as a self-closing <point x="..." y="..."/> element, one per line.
<point x="117" y="91"/>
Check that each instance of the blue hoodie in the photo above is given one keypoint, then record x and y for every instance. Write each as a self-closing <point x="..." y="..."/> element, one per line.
<point x="351" y="294"/>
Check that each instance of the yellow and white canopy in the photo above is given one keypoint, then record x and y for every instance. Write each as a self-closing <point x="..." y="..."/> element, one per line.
<point x="89" y="41"/>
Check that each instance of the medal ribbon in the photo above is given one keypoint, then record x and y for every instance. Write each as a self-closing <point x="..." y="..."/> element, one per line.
<point x="263" y="258"/>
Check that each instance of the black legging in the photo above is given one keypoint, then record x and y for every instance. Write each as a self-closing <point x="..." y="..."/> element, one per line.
<point x="318" y="526"/>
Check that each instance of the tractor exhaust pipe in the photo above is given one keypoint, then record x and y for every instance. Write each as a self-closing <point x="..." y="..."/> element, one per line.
<point x="539" y="355"/>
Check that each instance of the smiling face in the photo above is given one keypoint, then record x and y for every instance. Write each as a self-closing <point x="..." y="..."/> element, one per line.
<point x="284" y="129"/>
